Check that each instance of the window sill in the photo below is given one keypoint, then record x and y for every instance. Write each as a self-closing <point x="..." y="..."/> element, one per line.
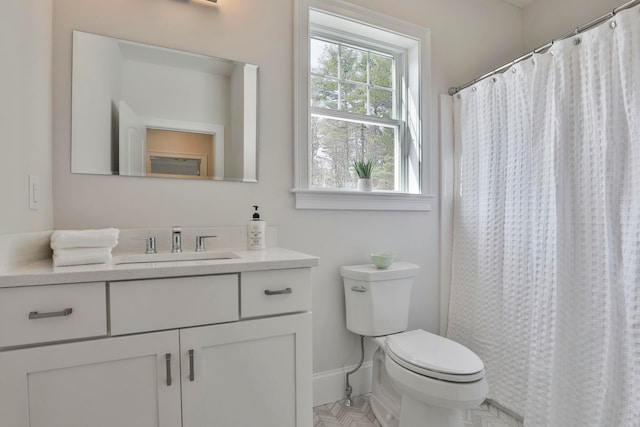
<point x="361" y="200"/>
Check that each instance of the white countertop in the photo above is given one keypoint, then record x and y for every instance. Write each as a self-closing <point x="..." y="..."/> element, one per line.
<point x="44" y="273"/>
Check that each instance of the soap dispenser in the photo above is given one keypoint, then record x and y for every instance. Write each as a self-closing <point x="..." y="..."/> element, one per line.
<point x="256" y="231"/>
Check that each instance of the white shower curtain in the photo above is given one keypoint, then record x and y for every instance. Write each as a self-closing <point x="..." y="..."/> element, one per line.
<point x="546" y="257"/>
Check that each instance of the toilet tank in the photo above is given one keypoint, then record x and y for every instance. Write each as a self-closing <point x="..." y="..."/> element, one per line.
<point x="377" y="301"/>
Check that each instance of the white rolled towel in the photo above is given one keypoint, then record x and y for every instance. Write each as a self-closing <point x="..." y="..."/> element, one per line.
<point x="81" y="256"/>
<point x="101" y="238"/>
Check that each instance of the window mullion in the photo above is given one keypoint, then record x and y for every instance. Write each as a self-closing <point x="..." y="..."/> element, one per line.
<point x="403" y="157"/>
<point x="369" y="110"/>
<point x="336" y="36"/>
<point x="358" y="118"/>
<point x="340" y="84"/>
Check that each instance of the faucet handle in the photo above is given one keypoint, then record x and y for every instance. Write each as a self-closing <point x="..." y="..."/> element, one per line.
<point x="200" y="242"/>
<point x="151" y="244"/>
<point x="176" y="239"/>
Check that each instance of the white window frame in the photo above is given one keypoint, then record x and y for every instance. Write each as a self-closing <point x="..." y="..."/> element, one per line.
<point x="312" y="198"/>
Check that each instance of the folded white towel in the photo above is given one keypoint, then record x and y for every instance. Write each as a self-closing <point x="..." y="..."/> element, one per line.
<point x="102" y="238"/>
<point x="81" y="256"/>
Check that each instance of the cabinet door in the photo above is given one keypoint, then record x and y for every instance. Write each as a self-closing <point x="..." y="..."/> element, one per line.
<point x="101" y="383"/>
<point x="248" y="374"/>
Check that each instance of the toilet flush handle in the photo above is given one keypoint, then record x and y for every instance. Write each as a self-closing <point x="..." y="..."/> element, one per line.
<point x="358" y="289"/>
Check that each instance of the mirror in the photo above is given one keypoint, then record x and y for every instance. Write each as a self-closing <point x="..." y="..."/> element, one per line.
<point x="141" y="110"/>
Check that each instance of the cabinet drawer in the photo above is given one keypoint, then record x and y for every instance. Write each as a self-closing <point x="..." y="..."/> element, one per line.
<point x="263" y="293"/>
<point x="52" y="313"/>
<point x="156" y="304"/>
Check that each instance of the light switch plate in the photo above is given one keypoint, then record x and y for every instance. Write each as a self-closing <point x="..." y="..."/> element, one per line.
<point x="34" y="192"/>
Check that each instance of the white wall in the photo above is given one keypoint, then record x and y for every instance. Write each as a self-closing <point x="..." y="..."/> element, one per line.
<point x="468" y="38"/>
<point x="249" y="139"/>
<point x="234" y="148"/>
<point x="25" y="129"/>
<point x="98" y="59"/>
<point x="545" y="20"/>
<point x="25" y="114"/>
<point x="171" y="93"/>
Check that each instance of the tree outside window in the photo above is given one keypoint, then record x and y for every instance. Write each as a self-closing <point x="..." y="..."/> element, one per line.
<point x="353" y="99"/>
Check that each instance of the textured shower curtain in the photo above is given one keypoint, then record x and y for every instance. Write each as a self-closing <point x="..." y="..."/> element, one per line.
<point x="546" y="255"/>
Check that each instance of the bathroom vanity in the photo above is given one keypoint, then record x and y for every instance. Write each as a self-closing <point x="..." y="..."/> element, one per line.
<point x="223" y="342"/>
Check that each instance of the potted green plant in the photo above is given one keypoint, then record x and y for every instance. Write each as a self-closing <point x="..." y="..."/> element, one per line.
<point x="364" y="170"/>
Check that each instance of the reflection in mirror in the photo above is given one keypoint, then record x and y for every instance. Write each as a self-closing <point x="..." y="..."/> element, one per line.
<point x="141" y="110"/>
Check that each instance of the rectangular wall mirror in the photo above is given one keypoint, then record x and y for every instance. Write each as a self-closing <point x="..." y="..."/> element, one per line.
<point x="141" y="110"/>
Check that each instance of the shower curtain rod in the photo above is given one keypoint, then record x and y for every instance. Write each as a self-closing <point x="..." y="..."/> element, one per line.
<point x="581" y="29"/>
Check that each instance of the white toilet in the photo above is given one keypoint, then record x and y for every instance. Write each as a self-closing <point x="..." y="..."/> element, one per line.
<point x="419" y="379"/>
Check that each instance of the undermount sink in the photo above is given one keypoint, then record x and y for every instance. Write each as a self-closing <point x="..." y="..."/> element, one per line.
<point x="171" y="256"/>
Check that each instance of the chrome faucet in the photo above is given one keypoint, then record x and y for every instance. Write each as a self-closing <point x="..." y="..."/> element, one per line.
<point x="200" y="243"/>
<point x="151" y="244"/>
<point x="176" y="240"/>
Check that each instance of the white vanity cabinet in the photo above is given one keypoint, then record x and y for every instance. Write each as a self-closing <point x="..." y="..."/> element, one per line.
<point x="248" y="374"/>
<point x="171" y="352"/>
<point x="101" y="383"/>
<point x="39" y="314"/>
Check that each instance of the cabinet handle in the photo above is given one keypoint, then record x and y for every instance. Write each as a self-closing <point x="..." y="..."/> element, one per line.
<point x="192" y="374"/>
<point x="168" y="361"/>
<point x="280" y="292"/>
<point x="358" y="289"/>
<point x="61" y="313"/>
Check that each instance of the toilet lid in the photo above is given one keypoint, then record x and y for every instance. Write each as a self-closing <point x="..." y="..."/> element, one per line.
<point x="432" y="355"/>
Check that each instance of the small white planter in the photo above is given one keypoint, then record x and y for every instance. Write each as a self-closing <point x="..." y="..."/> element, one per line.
<point x="364" y="184"/>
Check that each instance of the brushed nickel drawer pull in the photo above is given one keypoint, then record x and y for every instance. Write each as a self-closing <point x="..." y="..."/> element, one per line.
<point x="61" y="313"/>
<point x="280" y="292"/>
<point x="358" y="289"/>
<point x="168" y="360"/>
<point x="192" y="374"/>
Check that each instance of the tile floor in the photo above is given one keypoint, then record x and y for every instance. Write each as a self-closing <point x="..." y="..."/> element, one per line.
<point x="361" y="415"/>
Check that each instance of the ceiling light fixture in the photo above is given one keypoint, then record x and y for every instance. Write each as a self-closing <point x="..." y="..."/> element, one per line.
<point x="202" y="1"/>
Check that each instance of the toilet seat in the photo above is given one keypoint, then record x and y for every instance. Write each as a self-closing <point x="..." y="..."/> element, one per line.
<point x="434" y="356"/>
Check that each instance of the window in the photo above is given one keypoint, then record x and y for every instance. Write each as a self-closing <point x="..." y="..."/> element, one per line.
<point x="359" y="96"/>
<point x="353" y="114"/>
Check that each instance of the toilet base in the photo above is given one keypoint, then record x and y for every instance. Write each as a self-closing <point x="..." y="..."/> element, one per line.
<point x="419" y="414"/>
<point x="385" y="398"/>
<point x="393" y="408"/>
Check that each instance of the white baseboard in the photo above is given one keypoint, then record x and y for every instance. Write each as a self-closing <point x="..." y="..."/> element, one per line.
<point x="329" y="386"/>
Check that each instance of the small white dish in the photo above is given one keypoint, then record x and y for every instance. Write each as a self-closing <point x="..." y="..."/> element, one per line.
<point x="382" y="260"/>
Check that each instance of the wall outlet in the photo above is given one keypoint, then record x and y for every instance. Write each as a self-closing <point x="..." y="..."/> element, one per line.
<point x="34" y="192"/>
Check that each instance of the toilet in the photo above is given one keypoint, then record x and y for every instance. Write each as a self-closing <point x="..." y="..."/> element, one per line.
<point x="419" y="378"/>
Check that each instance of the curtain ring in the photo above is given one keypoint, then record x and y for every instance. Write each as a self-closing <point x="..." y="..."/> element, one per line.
<point x="577" y="41"/>
<point x="613" y="24"/>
